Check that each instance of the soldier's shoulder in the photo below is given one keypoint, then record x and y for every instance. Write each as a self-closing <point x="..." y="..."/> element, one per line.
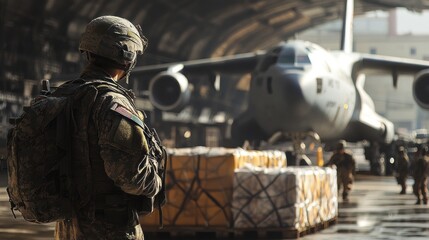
<point x="112" y="97"/>
<point x="116" y="103"/>
<point x="348" y="154"/>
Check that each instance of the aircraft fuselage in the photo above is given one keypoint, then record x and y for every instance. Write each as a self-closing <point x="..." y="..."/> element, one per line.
<point x="300" y="87"/>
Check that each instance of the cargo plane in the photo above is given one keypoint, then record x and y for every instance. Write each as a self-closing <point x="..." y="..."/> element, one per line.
<point x="298" y="88"/>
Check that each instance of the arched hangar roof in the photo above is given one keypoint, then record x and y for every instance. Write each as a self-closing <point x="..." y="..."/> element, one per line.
<point x="177" y="30"/>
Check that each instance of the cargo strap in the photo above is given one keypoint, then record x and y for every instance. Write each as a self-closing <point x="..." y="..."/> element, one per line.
<point x="188" y="192"/>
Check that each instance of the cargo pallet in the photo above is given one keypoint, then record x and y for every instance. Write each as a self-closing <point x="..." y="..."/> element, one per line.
<point x="187" y="232"/>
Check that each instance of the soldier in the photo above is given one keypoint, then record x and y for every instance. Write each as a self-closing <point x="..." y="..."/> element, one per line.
<point x="421" y="167"/>
<point x="113" y="161"/>
<point x="346" y="167"/>
<point x="402" y="169"/>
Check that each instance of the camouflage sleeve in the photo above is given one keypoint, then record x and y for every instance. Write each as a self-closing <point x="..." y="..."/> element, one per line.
<point x="331" y="161"/>
<point x="123" y="148"/>
<point x="352" y="163"/>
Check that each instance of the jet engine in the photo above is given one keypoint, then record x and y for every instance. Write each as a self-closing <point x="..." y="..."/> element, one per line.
<point x="421" y="89"/>
<point x="169" y="91"/>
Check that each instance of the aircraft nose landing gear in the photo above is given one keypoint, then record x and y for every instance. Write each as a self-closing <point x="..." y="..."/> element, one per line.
<point x="299" y="147"/>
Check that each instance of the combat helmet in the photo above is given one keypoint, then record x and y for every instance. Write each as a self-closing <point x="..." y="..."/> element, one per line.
<point x="115" y="39"/>
<point x="341" y="145"/>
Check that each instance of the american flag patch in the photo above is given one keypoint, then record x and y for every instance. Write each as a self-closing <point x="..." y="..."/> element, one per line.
<point x="126" y="113"/>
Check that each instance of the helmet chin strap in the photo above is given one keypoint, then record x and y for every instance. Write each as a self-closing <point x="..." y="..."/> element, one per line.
<point x="127" y="72"/>
<point x="125" y="77"/>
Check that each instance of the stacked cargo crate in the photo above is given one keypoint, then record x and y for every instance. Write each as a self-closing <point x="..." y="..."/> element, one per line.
<point x="293" y="197"/>
<point x="212" y="189"/>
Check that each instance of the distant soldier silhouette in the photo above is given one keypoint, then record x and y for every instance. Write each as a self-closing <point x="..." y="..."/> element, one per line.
<point x="402" y="169"/>
<point x="421" y="167"/>
<point x="346" y="167"/>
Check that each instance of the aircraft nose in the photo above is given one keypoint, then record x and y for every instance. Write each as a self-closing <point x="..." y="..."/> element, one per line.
<point x="285" y="106"/>
<point x="292" y="88"/>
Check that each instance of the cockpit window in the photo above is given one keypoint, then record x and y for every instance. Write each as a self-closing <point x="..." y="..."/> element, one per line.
<point x="287" y="56"/>
<point x="302" y="59"/>
<point x="293" y="56"/>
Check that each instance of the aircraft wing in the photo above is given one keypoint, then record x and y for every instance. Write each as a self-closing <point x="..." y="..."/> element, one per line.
<point x="386" y="64"/>
<point x="239" y="63"/>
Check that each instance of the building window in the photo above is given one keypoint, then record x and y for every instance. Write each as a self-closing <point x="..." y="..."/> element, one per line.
<point x="413" y="51"/>
<point x="373" y="50"/>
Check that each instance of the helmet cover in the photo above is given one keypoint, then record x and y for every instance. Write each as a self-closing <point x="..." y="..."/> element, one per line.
<point x="114" y="38"/>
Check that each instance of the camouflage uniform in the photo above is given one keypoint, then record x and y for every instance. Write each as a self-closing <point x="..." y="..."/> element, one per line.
<point x="402" y="170"/>
<point x="420" y="188"/>
<point x="345" y="171"/>
<point x="110" y="162"/>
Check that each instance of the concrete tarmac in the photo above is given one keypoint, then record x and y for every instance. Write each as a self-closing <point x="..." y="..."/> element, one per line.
<point x="376" y="210"/>
<point x="19" y="229"/>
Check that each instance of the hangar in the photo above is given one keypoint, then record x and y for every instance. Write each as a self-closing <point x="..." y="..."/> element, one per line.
<point x="42" y="36"/>
<point x="39" y="39"/>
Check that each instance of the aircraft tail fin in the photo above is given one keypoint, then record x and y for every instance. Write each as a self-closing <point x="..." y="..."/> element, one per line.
<point x="347" y="30"/>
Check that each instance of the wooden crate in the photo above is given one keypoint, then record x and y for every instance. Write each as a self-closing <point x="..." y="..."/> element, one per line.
<point x="293" y="197"/>
<point x="200" y="185"/>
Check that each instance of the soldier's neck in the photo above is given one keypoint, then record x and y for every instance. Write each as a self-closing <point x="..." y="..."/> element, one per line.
<point x="116" y="74"/>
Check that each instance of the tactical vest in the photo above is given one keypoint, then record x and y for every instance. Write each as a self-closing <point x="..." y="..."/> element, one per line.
<point x="101" y="199"/>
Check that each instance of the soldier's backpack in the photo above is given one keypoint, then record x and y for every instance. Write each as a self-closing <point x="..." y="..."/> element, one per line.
<point x="39" y="153"/>
<point x="39" y="158"/>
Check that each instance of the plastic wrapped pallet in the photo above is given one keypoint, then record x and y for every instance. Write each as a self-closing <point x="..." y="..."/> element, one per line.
<point x="295" y="197"/>
<point x="200" y="184"/>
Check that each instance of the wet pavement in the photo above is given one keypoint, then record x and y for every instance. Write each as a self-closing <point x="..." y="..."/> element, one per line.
<point x="376" y="210"/>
